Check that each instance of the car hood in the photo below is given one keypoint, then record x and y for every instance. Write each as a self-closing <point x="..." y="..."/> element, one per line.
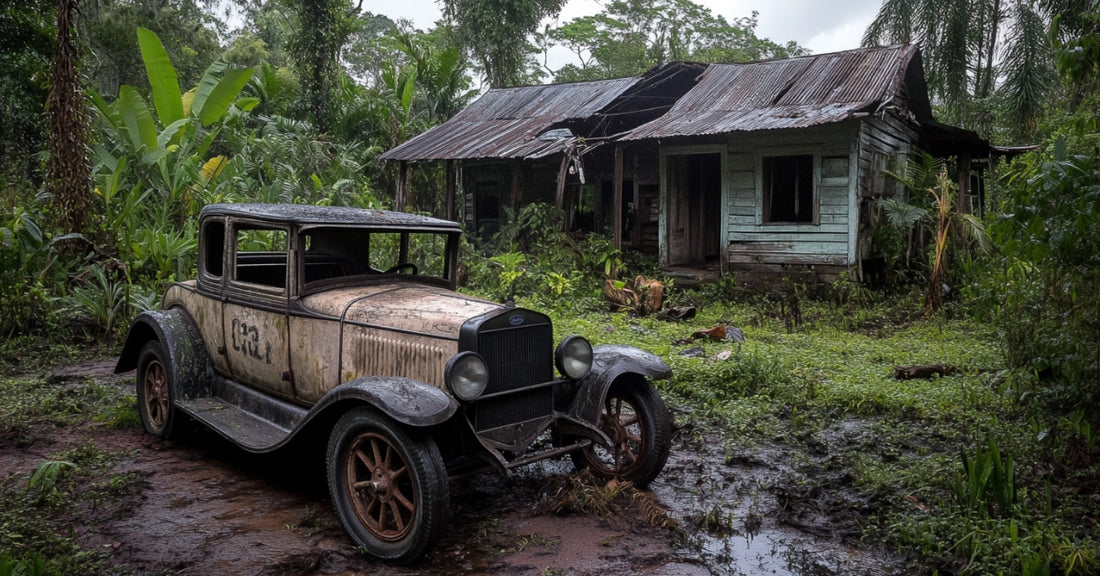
<point x="421" y="309"/>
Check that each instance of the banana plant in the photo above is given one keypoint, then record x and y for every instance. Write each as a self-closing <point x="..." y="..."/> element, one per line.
<point x="170" y="148"/>
<point x="162" y="152"/>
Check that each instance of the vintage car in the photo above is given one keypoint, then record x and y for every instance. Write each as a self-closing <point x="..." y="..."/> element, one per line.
<point x="343" y="325"/>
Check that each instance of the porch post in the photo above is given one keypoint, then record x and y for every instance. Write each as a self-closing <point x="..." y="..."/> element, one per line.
<point x="399" y="197"/>
<point x="450" y="171"/>
<point x="617" y="203"/>
<point x="516" y="173"/>
<point x="964" y="204"/>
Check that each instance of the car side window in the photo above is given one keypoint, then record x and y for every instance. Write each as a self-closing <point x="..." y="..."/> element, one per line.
<point x="261" y="256"/>
<point x="213" y="248"/>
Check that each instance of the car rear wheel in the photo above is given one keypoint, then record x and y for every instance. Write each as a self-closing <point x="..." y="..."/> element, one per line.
<point x="389" y="486"/>
<point x="154" y="391"/>
<point x="638" y="423"/>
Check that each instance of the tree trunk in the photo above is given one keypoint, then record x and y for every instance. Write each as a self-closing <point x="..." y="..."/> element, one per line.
<point x="68" y="168"/>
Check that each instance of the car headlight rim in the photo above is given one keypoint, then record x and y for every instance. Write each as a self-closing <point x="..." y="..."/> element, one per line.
<point x="574" y="357"/>
<point x="467" y="376"/>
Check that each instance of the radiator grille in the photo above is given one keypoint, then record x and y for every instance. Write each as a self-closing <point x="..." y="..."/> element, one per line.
<point x="517" y="357"/>
<point x="520" y="360"/>
<point x="513" y="408"/>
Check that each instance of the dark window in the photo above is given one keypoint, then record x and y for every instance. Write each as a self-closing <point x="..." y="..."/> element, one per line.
<point x="789" y="188"/>
<point x="214" y="240"/>
<point x="487" y="210"/>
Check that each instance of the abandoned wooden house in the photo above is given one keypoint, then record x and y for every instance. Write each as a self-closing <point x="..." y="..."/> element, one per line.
<point x="745" y="169"/>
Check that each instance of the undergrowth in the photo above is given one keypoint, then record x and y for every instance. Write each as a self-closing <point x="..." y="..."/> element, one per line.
<point x="40" y="500"/>
<point x="923" y="441"/>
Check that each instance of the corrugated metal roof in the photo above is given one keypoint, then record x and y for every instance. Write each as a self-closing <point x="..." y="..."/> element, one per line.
<point x="506" y="122"/>
<point x="792" y="93"/>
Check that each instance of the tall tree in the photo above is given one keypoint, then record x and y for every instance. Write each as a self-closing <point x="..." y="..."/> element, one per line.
<point x="68" y="169"/>
<point x="495" y="33"/>
<point x="321" y="30"/>
<point x="631" y="36"/>
<point x="1028" y="70"/>
<point x="961" y="40"/>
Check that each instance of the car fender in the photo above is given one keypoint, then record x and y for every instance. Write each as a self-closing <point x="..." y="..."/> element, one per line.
<point x="192" y="372"/>
<point x="408" y="401"/>
<point x="609" y="362"/>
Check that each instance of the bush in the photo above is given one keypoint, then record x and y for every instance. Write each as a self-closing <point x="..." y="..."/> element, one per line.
<point x="1050" y="237"/>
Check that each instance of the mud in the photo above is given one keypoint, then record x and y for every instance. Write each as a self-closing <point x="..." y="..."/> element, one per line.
<point x="200" y="506"/>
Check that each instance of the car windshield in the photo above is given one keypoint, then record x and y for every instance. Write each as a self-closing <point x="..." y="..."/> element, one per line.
<point x="342" y="252"/>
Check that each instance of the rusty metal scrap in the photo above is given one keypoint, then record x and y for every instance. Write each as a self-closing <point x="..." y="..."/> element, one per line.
<point x="508" y="122"/>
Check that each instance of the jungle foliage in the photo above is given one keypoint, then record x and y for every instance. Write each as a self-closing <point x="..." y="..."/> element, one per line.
<point x="180" y="112"/>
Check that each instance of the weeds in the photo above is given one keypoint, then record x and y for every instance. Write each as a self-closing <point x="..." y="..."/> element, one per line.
<point x="950" y="513"/>
<point x="34" y="566"/>
<point x="526" y="541"/>
<point x="583" y="494"/>
<point x="987" y="484"/>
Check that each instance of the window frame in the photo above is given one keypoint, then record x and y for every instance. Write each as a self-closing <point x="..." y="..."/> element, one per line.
<point x="763" y="194"/>
<point x="258" y="290"/>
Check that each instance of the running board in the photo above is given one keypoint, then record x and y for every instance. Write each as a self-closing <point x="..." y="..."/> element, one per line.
<point x="256" y="422"/>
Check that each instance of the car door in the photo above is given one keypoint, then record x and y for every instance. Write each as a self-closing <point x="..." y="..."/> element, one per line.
<point x="255" y="312"/>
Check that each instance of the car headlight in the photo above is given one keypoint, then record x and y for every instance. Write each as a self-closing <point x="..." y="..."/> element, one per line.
<point x="467" y="376"/>
<point x="574" y="357"/>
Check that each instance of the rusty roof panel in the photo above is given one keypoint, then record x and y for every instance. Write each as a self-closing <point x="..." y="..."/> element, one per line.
<point x="506" y="122"/>
<point x="793" y="93"/>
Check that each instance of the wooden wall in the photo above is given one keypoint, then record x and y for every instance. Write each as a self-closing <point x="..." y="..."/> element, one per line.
<point x="754" y="244"/>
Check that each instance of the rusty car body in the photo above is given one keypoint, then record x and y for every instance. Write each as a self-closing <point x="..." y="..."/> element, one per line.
<point x="342" y="327"/>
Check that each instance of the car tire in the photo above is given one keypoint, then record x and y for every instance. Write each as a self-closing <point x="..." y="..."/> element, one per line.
<point x="155" y="391"/>
<point x="640" y="428"/>
<point x="388" y="484"/>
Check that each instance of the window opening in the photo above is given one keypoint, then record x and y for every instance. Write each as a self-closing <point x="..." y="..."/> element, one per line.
<point x="789" y="189"/>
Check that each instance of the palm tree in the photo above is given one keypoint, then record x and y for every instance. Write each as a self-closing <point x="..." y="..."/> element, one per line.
<point x="960" y="41"/>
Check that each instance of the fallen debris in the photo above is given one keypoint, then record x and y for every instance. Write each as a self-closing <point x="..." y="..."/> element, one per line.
<point x="721" y="332"/>
<point x="645" y="296"/>
<point x="924" y="372"/>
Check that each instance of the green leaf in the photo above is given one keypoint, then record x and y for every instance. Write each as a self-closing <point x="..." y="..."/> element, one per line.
<point x="247" y="104"/>
<point x="162" y="77"/>
<point x="207" y="83"/>
<point x="137" y="119"/>
<point x="107" y="111"/>
<point x="173" y="132"/>
<point x="222" y="96"/>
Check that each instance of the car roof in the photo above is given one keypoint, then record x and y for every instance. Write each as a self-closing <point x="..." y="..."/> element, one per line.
<point x="308" y="214"/>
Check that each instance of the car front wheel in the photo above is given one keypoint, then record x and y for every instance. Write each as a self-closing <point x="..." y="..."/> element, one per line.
<point x="640" y="429"/>
<point x="389" y="486"/>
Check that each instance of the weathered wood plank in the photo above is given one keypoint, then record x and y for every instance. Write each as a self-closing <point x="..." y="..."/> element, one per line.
<point x="742" y="180"/>
<point x="786" y="247"/>
<point x="741" y="163"/>
<point x="807" y="236"/>
<point x="784" y="258"/>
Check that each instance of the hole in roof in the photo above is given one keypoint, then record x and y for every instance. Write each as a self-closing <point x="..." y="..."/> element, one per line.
<point x="556" y="134"/>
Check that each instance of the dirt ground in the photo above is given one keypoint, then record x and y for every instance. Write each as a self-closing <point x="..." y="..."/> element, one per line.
<point x="200" y="506"/>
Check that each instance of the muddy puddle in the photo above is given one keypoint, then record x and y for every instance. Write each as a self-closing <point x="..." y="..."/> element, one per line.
<point x="200" y="506"/>
<point x="767" y="510"/>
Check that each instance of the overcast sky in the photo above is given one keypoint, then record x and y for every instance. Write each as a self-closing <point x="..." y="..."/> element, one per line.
<point x="820" y="25"/>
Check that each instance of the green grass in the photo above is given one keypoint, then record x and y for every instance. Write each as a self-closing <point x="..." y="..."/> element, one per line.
<point x="792" y="382"/>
